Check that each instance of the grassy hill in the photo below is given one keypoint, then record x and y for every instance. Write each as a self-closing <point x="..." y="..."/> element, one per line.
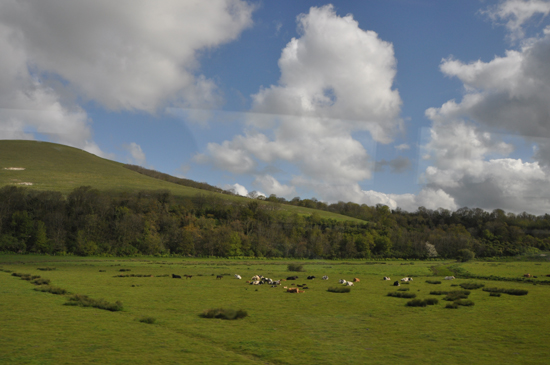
<point x="49" y="166"/>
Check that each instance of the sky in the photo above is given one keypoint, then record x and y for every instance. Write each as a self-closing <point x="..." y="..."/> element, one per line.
<point x="407" y="103"/>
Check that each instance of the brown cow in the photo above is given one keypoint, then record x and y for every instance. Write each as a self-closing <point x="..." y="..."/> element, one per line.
<point x="356" y="280"/>
<point x="292" y="290"/>
<point x="527" y="275"/>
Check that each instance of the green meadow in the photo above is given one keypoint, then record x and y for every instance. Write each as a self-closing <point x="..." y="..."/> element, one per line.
<point x="315" y="327"/>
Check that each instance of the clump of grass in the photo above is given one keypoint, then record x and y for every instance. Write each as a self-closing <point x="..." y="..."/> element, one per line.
<point x="29" y="277"/>
<point x="102" y="270"/>
<point x="452" y="306"/>
<point x="339" y="289"/>
<point x="41" y="281"/>
<point x="431" y="301"/>
<point x="433" y="281"/>
<point x="402" y="295"/>
<point x="439" y="292"/>
<point x="471" y="286"/>
<point x="85" y="301"/>
<point x="51" y="289"/>
<point x="456" y="295"/>
<point x="162" y="276"/>
<point x="125" y="270"/>
<point x="494" y="294"/>
<point x="18" y="274"/>
<point x="403" y="289"/>
<point x="223" y="313"/>
<point x="464" y="302"/>
<point x="6" y="270"/>
<point x="507" y="291"/>
<point x="133" y="276"/>
<point x="148" y="320"/>
<point x="454" y="284"/>
<point x="295" y="267"/>
<point x="416" y="303"/>
<point x="46" y="268"/>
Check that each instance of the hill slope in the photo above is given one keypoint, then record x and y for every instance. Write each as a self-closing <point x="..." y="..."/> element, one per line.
<point x="51" y="166"/>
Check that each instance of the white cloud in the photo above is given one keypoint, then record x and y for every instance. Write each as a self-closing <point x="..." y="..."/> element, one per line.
<point x="336" y="79"/>
<point x="402" y="147"/>
<point x="236" y="189"/>
<point x="136" y="154"/>
<point x="516" y="13"/>
<point x="272" y="186"/>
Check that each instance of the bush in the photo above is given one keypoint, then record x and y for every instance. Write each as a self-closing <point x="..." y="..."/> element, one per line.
<point x="471" y="286"/>
<point x="416" y="303"/>
<point x="339" y="289"/>
<point x="506" y="291"/>
<point x="452" y="306"/>
<point x="224" y="313"/>
<point x="402" y="295"/>
<point x="148" y="320"/>
<point x="51" y="289"/>
<point x="465" y="255"/>
<point x="465" y="303"/>
<point x="41" y="281"/>
<point x="431" y="301"/>
<point x="295" y="267"/>
<point x="433" y="281"/>
<point x="85" y="301"/>
<point x="457" y="294"/>
<point x="494" y="294"/>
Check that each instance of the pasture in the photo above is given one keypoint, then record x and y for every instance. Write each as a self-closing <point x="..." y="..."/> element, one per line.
<point x="160" y="321"/>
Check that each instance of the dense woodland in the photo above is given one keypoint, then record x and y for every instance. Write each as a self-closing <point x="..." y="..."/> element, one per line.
<point x="90" y="222"/>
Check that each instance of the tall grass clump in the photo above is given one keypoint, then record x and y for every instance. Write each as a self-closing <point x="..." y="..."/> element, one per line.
<point x="471" y="286"/>
<point x="51" y="289"/>
<point x="433" y="281"/>
<point x="439" y="292"/>
<point x="401" y="295"/>
<point x="148" y="320"/>
<point x="416" y="303"/>
<point x="85" y="301"/>
<point x="507" y="291"/>
<point x="452" y="306"/>
<point x="339" y="289"/>
<point x="494" y="294"/>
<point x="46" y="268"/>
<point x="464" y="302"/>
<point x="456" y="295"/>
<point x="223" y="313"/>
<point x="295" y="267"/>
<point x="41" y="281"/>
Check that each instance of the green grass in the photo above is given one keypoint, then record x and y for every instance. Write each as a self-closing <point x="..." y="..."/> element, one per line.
<point x="50" y="166"/>
<point x="315" y="327"/>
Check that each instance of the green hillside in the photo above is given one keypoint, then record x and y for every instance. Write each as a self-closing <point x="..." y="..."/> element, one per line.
<point x="50" y="166"/>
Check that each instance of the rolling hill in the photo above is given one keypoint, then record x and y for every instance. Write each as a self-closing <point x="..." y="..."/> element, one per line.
<point x="50" y="166"/>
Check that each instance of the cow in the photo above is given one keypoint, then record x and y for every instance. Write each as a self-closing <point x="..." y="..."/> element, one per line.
<point x="349" y="283"/>
<point x="219" y="277"/>
<point x="387" y="278"/>
<point x="311" y="277"/>
<point x="356" y="280"/>
<point x="449" y="278"/>
<point x="292" y="290"/>
<point x="188" y="276"/>
<point x="174" y="276"/>
<point x="292" y="278"/>
<point x="342" y="281"/>
<point x="325" y="277"/>
<point x="255" y="282"/>
<point x="255" y="278"/>
<point x="396" y="283"/>
<point x="238" y="277"/>
<point x="407" y="279"/>
<point x="526" y="275"/>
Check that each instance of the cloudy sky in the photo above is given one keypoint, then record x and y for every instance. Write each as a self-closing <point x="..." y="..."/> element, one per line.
<point x="407" y="103"/>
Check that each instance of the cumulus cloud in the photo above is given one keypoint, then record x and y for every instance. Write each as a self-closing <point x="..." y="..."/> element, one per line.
<point x="336" y="79"/>
<point x="136" y="154"/>
<point x="236" y="189"/>
<point x="270" y="184"/>
<point x="397" y="165"/>
<point x="516" y="13"/>
<point x="470" y="162"/>
<point x="402" y="147"/>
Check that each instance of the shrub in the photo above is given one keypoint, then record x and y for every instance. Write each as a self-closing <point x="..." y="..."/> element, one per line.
<point x="465" y="255"/>
<point x="85" y="301"/>
<point x="452" y="306"/>
<point x="416" y="303"/>
<point x="494" y="294"/>
<point x="433" y="281"/>
<point x="46" y="268"/>
<point x="471" y="286"/>
<point x="431" y="301"/>
<point x="295" y="267"/>
<point x="223" y="313"/>
<point x="506" y="291"/>
<point x="439" y="292"/>
<point x="41" y="281"/>
<point x="51" y="289"/>
<point x="339" y="289"/>
<point x="457" y="294"/>
<point x="148" y="320"/>
<point x="465" y="303"/>
<point x="402" y="295"/>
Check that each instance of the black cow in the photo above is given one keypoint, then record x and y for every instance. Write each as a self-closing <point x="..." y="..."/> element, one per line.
<point x="174" y="276"/>
<point x="311" y="277"/>
<point x="396" y="283"/>
<point x="292" y="278"/>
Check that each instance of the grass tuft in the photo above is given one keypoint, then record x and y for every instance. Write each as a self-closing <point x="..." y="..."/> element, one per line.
<point x="148" y="320"/>
<point x="507" y="291"/>
<point x="339" y="289"/>
<point x="456" y="295"/>
<point x="494" y="294"/>
<point x="464" y="302"/>
<point x="51" y="289"/>
<point x="46" y="268"/>
<point x="41" y="281"/>
<point x="452" y="306"/>
<point x="416" y="303"/>
<point x="295" y="267"/>
<point x="85" y="301"/>
<point x="402" y="295"/>
<point x="433" y="281"/>
<point x="223" y="313"/>
<point x="471" y="286"/>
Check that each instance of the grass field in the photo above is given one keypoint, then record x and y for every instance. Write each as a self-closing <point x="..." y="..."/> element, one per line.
<point x="51" y="166"/>
<point x="315" y="327"/>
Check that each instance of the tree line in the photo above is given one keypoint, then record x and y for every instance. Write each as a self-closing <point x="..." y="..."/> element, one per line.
<point x="92" y="222"/>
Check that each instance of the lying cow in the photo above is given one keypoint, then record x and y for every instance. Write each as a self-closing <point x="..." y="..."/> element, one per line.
<point x="238" y="277"/>
<point x="325" y="277"/>
<point x="386" y="278"/>
<point x="396" y="283"/>
<point x="526" y="275"/>
<point x="174" y="276"/>
<point x="349" y="283"/>
<point x="342" y="281"/>
<point x="255" y="278"/>
<point x="407" y="279"/>
<point x="311" y="277"/>
<point x="292" y="278"/>
<point x="356" y="280"/>
<point x="449" y="278"/>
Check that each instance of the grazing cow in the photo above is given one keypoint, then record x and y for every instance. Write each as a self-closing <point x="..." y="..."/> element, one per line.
<point x="292" y="278"/>
<point x="386" y="278"/>
<point x="349" y="283"/>
<point x="311" y="277"/>
<point x="219" y="277"/>
<point x="238" y="277"/>
<point x="526" y="275"/>
<point x="325" y="277"/>
<point x="396" y="283"/>
<point x="174" y="276"/>
<point x="188" y="276"/>
<point x="449" y="278"/>
<point x="356" y="280"/>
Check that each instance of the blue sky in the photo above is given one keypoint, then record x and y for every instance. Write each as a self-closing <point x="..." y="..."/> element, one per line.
<point x="406" y="103"/>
